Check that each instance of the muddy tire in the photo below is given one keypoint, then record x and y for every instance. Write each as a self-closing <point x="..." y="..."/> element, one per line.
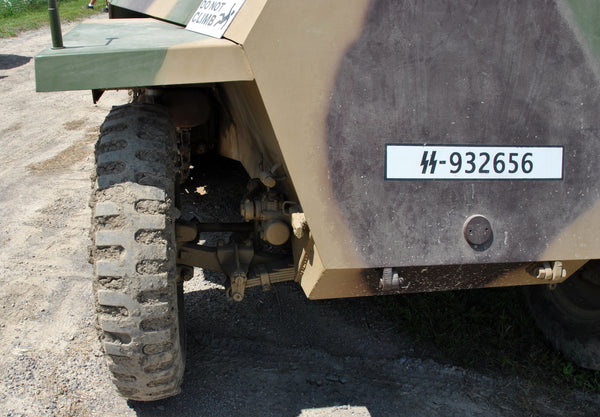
<point x="569" y="315"/>
<point x="139" y="303"/>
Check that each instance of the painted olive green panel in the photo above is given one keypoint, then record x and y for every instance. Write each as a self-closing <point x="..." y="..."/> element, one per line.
<point x="587" y="14"/>
<point x="127" y="53"/>
<point x="176" y="11"/>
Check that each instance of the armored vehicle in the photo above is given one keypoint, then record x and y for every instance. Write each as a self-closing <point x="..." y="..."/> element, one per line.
<point x="390" y="145"/>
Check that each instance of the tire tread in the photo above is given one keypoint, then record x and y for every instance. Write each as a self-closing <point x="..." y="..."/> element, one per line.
<point x="141" y="339"/>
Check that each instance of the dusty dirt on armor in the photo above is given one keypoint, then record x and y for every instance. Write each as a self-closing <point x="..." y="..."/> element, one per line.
<point x="275" y="354"/>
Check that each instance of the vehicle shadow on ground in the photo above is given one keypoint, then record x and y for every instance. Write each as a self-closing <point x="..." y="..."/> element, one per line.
<point x="280" y="354"/>
<point x="277" y="353"/>
<point x="10" y="61"/>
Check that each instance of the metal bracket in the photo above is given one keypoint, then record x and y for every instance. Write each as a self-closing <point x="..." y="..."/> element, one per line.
<point x="390" y="280"/>
<point x="550" y="271"/>
<point x="235" y="260"/>
<point x="263" y="274"/>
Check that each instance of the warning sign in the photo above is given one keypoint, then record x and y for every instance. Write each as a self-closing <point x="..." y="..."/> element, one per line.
<point x="214" y="17"/>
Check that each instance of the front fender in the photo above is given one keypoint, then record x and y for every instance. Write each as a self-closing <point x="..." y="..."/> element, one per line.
<point x="127" y="53"/>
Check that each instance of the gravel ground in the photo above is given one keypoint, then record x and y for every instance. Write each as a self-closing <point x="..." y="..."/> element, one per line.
<point x="275" y="354"/>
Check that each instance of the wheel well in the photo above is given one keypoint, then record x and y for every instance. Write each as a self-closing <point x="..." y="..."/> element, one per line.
<point x="228" y="118"/>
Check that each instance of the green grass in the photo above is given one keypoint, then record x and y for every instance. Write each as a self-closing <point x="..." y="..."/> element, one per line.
<point x="19" y="15"/>
<point x="489" y="329"/>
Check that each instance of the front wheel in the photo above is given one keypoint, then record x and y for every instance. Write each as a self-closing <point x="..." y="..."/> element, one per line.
<point x="139" y="302"/>
<point x="568" y="314"/>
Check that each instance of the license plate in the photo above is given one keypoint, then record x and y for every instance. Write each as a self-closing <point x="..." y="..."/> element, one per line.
<point x="464" y="162"/>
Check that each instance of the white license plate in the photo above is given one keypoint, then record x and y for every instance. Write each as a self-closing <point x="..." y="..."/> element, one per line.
<point x="464" y="162"/>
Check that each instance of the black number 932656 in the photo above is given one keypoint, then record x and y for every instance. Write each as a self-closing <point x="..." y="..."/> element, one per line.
<point x="473" y="162"/>
<point x="480" y="162"/>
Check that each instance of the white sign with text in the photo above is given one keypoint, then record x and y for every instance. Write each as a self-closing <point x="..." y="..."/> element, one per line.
<point x="214" y="17"/>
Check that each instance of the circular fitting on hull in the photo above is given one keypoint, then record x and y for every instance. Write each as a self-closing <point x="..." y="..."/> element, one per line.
<point x="478" y="232"/>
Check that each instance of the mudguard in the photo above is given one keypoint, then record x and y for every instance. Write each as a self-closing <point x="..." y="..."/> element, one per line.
<point x="127" y="53"/>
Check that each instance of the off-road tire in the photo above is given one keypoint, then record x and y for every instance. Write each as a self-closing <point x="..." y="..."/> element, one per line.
<point x="139" y="302"/>
<point x="569" y="315"/>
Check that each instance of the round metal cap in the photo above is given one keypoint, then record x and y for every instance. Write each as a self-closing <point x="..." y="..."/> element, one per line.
<point x="477" y="230"/>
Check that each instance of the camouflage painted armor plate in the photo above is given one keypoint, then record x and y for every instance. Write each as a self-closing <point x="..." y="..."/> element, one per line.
<point x="341" y="112"/>
<point x="357" y="76"/>
<point x="138" y="53"/>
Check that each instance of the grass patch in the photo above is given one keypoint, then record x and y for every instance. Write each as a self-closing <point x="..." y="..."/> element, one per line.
<point x="489" y="329"/>
<point x="19" y="15"/>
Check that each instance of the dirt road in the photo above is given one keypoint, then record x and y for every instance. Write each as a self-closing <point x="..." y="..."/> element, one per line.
<point x="275" y="354"/>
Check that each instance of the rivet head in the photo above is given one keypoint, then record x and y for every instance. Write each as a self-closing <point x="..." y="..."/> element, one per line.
<point x="477" y="230"/>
